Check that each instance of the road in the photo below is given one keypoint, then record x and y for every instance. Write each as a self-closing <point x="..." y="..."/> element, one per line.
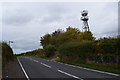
<point x="42" y="68"/>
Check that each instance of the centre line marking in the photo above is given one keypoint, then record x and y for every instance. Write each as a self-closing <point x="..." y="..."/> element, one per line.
<point x="69" y="74"/>
<point x="46" y="65"/>
<point x="35" y="60"/>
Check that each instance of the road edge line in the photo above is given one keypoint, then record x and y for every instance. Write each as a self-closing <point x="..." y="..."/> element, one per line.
<point x="23" y="69"/>
<point x="92" y="70"/>
<point x="69" y="74"/>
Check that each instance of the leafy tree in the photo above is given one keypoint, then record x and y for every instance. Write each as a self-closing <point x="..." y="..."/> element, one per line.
<point x="87" y="35"/>
<point x="77" y="48"/>
<point x="72" y="33"/>
<point x="49" y="50"/>
<point x="108" y="45"/>
<point x="57" y="33"/>
<point x="45" y="40"/>
<point x="55" y="37"/>
<point x="60" y="37"/>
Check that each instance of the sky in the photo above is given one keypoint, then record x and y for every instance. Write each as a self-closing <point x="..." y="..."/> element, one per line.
<point x="25" y="22"/>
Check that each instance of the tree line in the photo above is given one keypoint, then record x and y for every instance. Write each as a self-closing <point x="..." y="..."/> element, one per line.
<point x="72" y="44"/>
<point x="37" y="53"/>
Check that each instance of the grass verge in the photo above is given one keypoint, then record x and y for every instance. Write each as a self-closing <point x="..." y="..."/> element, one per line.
<point x="112" y="68"/>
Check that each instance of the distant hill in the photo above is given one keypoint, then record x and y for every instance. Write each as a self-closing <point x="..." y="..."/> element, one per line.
<point x="37" y="52"/>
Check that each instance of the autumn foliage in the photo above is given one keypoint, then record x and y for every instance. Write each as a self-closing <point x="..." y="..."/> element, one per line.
<point x="75" y="44"/>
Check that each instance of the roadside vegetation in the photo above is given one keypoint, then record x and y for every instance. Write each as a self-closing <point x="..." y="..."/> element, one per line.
<point x="0" y="58"/>
<point x="35" y="53"/>
<point x="7" y="53"/>
<point x="80" y="48"/>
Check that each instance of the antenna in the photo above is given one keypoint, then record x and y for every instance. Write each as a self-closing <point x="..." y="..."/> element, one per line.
<point x="85" y="18"/>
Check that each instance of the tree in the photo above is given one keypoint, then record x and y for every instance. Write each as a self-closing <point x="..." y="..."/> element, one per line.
<point x="57" y="33"/>
<point x="45" y="40"/>
<point x="60" y="37"/>
<point x="72" y="33"/>
<point x="49" y="50"/>
<point x="87" y="35"/>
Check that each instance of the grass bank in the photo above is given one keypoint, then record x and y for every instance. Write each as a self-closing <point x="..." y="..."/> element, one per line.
<point x="7" y="54"/>
<point x="112" y="68"/>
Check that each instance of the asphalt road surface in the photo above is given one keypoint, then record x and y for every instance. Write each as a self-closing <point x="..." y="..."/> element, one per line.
<point x="41" y="68"/>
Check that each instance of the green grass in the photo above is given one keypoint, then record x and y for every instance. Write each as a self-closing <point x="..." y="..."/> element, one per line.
<point x="113" y="68"/>
<point x="7" y="53"/>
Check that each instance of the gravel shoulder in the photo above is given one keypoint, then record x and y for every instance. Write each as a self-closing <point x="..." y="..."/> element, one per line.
<point x="12" y="70"/>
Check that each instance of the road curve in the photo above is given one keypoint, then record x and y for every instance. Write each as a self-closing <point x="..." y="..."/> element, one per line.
<point x="41" y="68"/>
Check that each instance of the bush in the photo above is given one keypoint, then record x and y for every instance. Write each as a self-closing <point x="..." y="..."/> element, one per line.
<point x="103" y="50"/>
<point x="108" y="46"/>
<point x="7" y="53"/>
<point x="49" y="50"/>
<point x="77" y="48"/>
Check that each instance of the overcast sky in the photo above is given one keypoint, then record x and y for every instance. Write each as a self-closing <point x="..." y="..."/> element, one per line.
<point x="25" y="22"/>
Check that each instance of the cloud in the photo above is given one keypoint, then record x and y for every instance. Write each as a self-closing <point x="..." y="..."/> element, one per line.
<point x="54" y="13"/>
<point x="1" y="22"/>
<point x="51" y="18"/>
<point x="25" y="23"/>
<point x="25" y="44"/>
<point x="119" y="18"/>
<point x="17" y="17"/>
<point x="16" y="20"/>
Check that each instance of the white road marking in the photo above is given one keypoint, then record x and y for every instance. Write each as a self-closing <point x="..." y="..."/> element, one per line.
<point x="101" y="72"/>
<point x="35" y="60"/>
<point x="23" y="69"/>
<point x="94" y="70"/>
<point x="46" y="65"/>
<point x="91" y="69"/>
<point x="69" y="74"/>
<point x="78" y="67"/>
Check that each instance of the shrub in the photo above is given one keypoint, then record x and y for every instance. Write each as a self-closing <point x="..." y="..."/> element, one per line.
<point x="49" y="50"/>
<point x="77" y="48"/>
<point x="7" y="53"/>
<point x="108" y="46"/>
